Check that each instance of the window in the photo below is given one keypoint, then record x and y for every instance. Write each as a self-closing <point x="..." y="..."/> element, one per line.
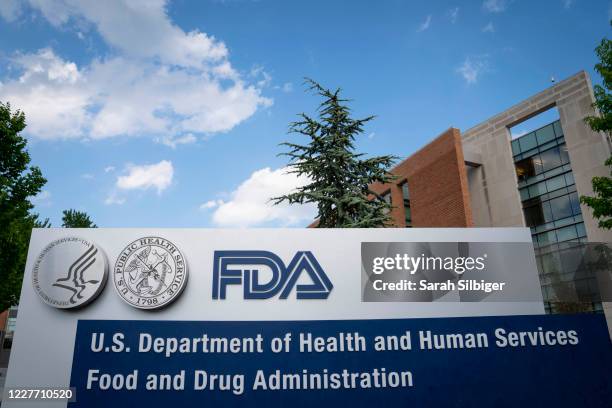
<point x="546" y="184"/>
<point x="575" y="202"/>
<point x="10" y="324"/>
<point x="387" y="199"/>
<point x="537" y="190"/>
<point x="564" y="155"/>
<point x="561" y="207"/>
<point x="550" y="159"/>
<point x="406" y="197"/>
<point x="516" y="148"/>
<point x="567" y="233"/>
<point x="555" y="183"/>
<point x="545" y="134"/>
<point x="525" y="169"/>
<point x="528" y="142"/>
<point x="542" y="120"/>
<point x="546" y="238"/>
<point x="10" y="328"/>
<point x="8" y="342"/>
<point x="538" y="213"/>
<point x="541" y="162"/>
<point x="524" y="194"/>
<point x="558" y="130"/>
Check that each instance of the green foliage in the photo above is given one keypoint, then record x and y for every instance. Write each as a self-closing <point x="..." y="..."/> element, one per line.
<point x="603" y="98"/>
<point x="601" y="203"/>
<point x="18" y="182"/>
<point x="76" y="219"/>
<point x="339" y="177"/>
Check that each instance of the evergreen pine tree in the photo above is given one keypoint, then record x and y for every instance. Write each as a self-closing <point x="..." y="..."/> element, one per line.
<point x="339" y="177"/>
<point x="76" y="219"/>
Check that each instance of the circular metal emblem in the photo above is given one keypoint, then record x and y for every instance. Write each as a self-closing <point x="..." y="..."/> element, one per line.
<point x="150" y="273"/>
<point x="70" y="272"/>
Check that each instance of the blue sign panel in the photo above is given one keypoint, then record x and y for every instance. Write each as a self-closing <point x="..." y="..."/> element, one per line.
<point x="509" y="361"/>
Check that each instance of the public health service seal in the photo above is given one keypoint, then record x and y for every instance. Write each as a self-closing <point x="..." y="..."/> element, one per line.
<point x="70" y="272"/>
<point x="150" y="273"/>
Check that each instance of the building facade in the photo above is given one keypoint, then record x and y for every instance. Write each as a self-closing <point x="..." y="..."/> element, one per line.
<point x="497" y="185"/>
<point x="484" y="178"/>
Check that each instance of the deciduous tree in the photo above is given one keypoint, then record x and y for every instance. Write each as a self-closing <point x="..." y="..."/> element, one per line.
<point x="18" y="183"/>
<point x="601" y="202"/>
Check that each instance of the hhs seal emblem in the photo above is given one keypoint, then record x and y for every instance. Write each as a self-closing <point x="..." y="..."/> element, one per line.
<point x="69" y="273"/>
<point x="150" y="273"/>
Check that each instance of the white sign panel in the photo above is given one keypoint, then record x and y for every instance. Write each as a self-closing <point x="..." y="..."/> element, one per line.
<point x="217" y="275"/>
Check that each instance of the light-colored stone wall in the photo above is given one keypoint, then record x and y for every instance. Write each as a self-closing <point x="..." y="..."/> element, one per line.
<point x="493" y="186"/>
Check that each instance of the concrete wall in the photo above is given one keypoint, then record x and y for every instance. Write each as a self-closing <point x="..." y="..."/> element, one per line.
<point x="493" y="186"/>
<point x="493" y="189"/>
<point x="438" y="185"/>
<point x="587" y="149"/>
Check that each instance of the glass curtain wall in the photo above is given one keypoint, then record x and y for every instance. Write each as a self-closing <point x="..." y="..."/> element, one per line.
<point x="546" y="185"/>
<point x="552" y="211"/>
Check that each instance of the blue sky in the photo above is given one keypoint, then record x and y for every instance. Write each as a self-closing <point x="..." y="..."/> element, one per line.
<point x="169" y="114"/>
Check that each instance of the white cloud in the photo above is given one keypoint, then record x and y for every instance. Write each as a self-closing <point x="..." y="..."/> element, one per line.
<point x="211" y="204"/>
<point x="568" y="3"/>
<point x="265" y="80"/>
<point x="472" y="68"/>
<point x="157" y="80"/>
<point x="495" y="6"/>
<point x="10" y="9"/>
<point x="287" y="87"/>
<point x="489" y="28"/>
<point x="250" y="203"/>
<point x="173" y="142"/>
<point x="425" y="24"/>
<point x="372" y="135"/>
<point x="139" y="28"/>
<point x="87" y="176"/>
<point x="42" y="199"/>
<point x="52" y="94"/>
<point x="113" y="199"/>
<point x="48" y="66"/>
<point x="453" y="14"/>
<point x="108" y="169"/>
<point x="262" y="78"/>
<point x="158" y="176"/>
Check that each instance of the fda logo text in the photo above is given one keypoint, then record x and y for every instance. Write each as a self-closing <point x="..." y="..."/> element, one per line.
<point x="244" y="268"/>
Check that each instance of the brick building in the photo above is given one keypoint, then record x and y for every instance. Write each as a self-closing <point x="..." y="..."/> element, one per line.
<point x="431" y="189"/>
